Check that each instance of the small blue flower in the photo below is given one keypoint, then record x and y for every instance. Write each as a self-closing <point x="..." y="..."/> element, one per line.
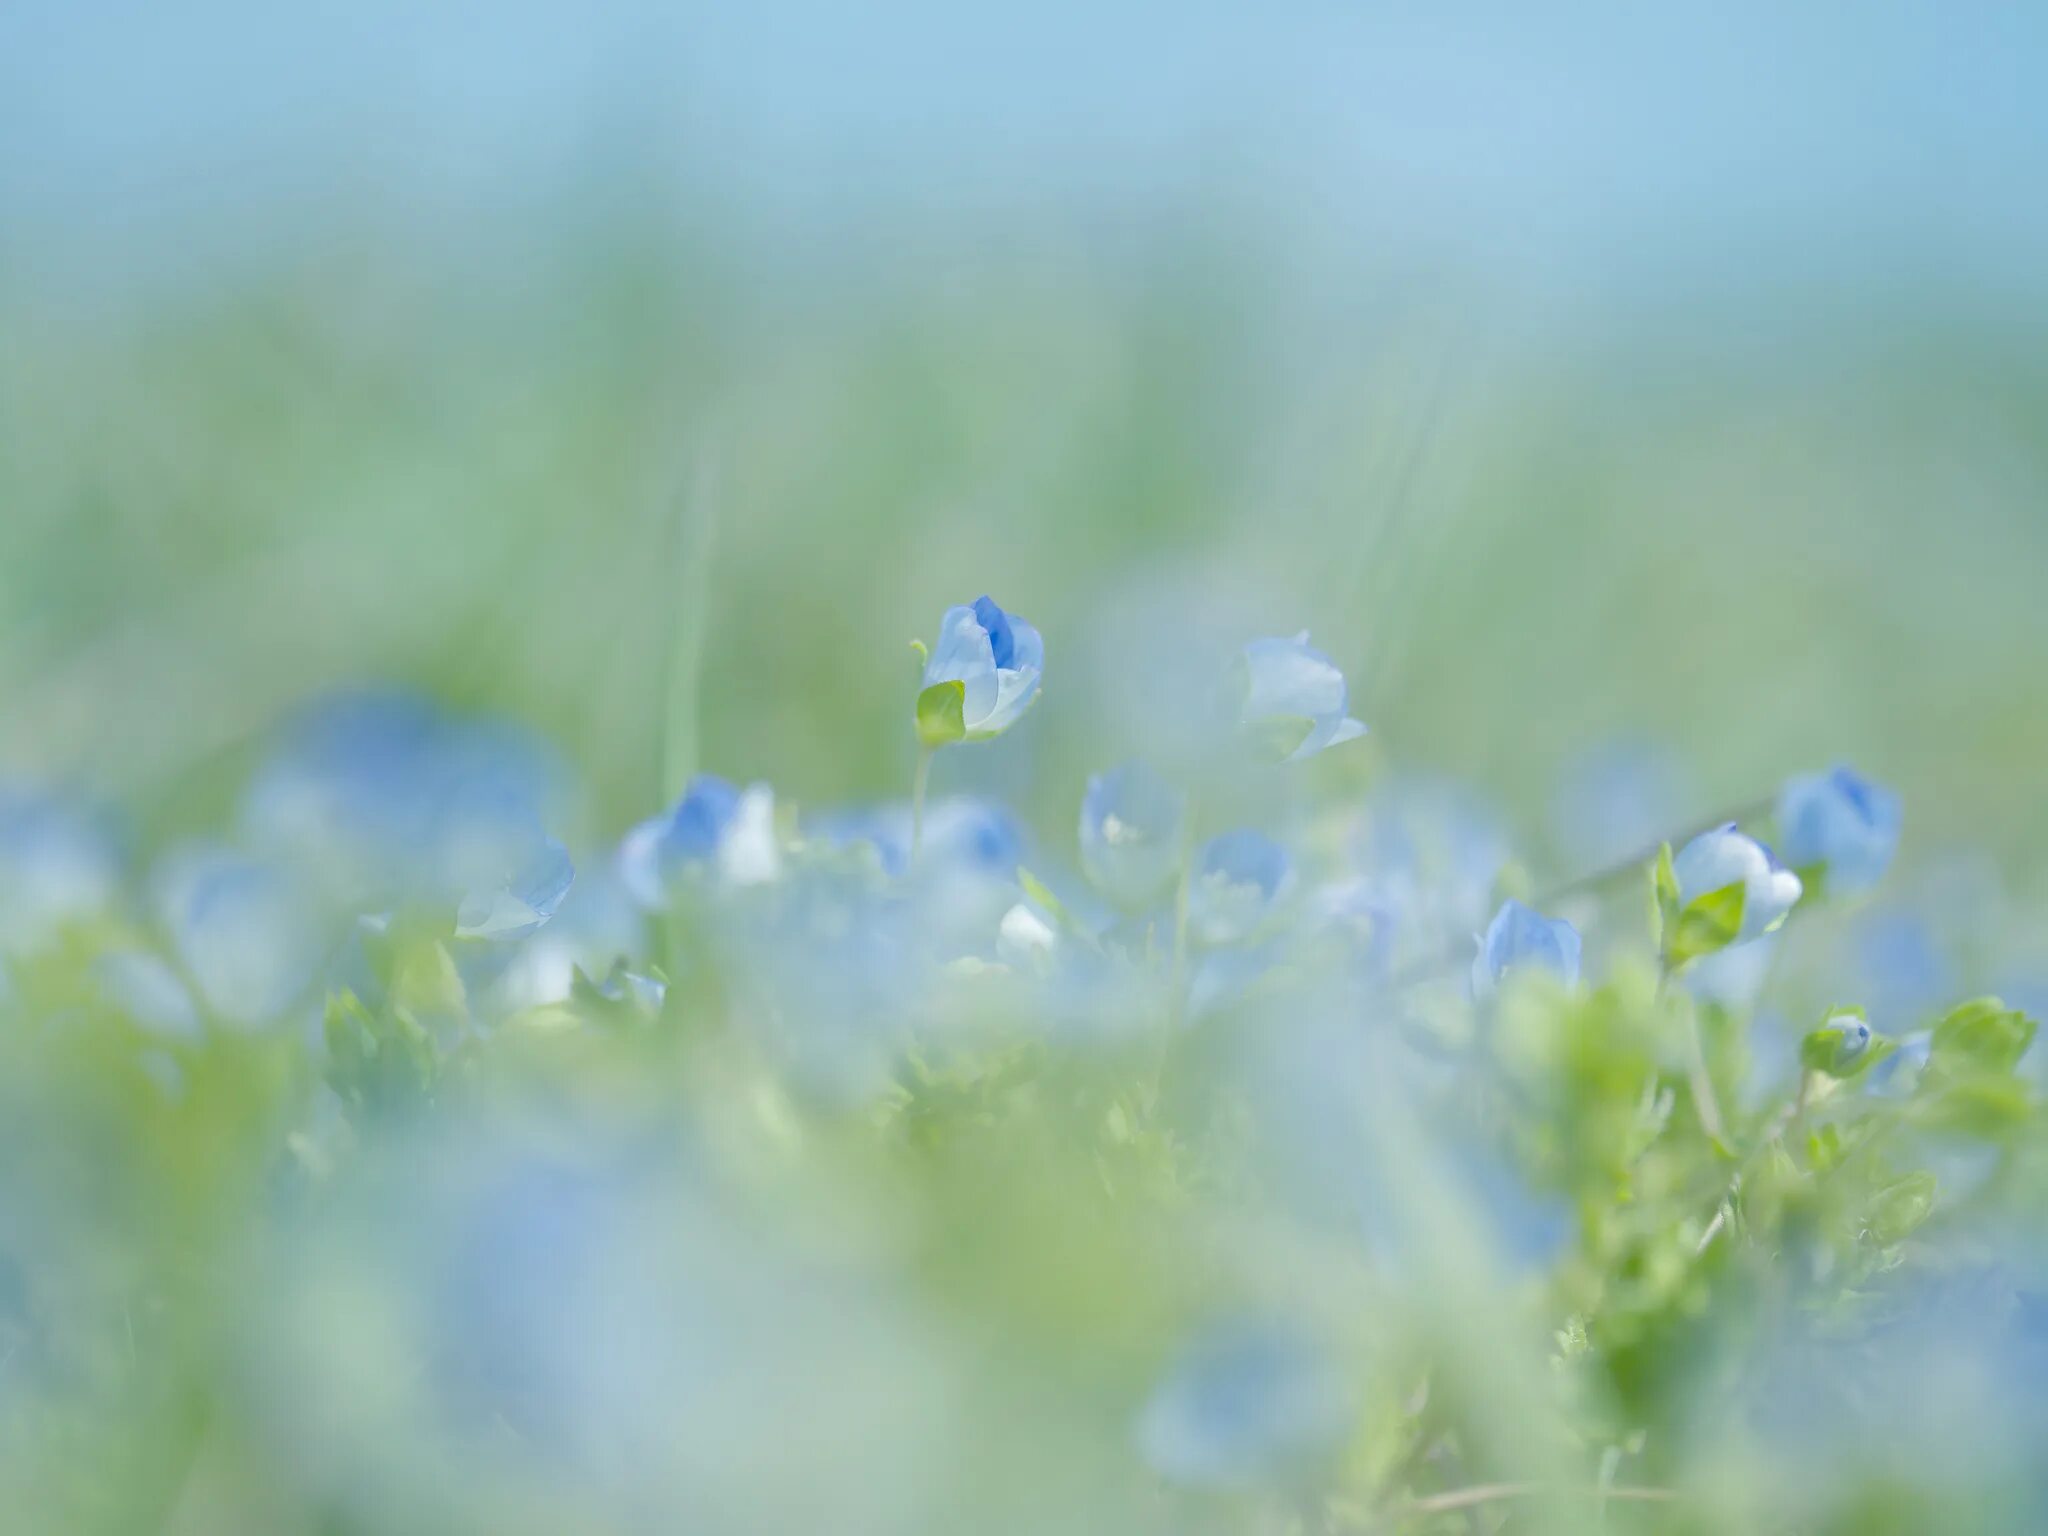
<point x="1131" y="822"/>
<point x="1238" y="880"/>
<point x="58" y="865"/>
<point x="715" y="827"/>
<point x="1295" y="698"/>
<point x="1247" y="1404"/>
<point x="1843" y="823"/>
<point x="963" y="834"/>
<point x="1521" y="938"/>
<point x="997" y="659"/>
<point x="244" y="930"/>
<point x="1715" y="860"/>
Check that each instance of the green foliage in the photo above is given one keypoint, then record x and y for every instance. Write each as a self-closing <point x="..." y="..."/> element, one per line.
<point x="1706" y="925"/>
<point x="380" y="1061"/>
<point x="941" y="718"/>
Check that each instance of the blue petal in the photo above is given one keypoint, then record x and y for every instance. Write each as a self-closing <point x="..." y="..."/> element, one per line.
<point x="1002" y="642"/>
<point x="1842" y="822"/>
<point x="965" y="655"/>
<point x="1521" y="938"/>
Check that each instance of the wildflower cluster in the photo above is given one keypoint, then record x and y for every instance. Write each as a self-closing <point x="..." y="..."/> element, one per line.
<point x="1267" y="1158"/>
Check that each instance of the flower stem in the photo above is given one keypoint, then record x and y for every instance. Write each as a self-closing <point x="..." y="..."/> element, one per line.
<point x="918" y="785"/>
<point x="1706" y="1104"/>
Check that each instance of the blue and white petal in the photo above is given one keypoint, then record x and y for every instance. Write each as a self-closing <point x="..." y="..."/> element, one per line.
<point x="1715" y="860"/>
<point x="966" y="655"/>
<point x="1522" y="939"/>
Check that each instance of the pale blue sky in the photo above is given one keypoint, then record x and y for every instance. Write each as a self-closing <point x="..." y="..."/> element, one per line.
<point x="1565" y="145"/>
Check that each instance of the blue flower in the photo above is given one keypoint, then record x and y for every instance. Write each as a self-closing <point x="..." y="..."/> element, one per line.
<point x="1842" y="823"/>
<point x="996" y="660"/>
<point x="715" y="827"/>
<point x="1521" y="938"/>
<point x="386" y="802"/>
<point x="244" y="930"/>
<point x="1725" y="857"/>
<point x="1238" y="880"/>
<point x="1295" y="698"/>
<point x="962" y="834"/>
<point x="1247" y="1404"/>
<point x="58" y="865"/>
<point x="1131" y="822"/>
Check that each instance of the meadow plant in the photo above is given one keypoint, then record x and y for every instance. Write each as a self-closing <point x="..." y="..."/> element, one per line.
<point x="1277" y="1157"/>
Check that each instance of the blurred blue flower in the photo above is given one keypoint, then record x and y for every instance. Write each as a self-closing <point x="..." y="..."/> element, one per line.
<point x="1295" y="698"/>
<point x="386" y="802"/>
<point x="244" y="930"/>
<point x="714" y="827"/>
<point x="1238" y="880"/>
<point x="1618" y="799"/>
<point x="1724" y="857"/>
<point x="1840" y="822"/>
<point x="1131" y="821"/>
<point x="1248" y="1404"/>
<point x="58" y="865"/>
<point x="996" y="657"/>
<point x="148" y="991"/>
<point x="1521" y="938"/>
<point x="962" y="833"/>
<point x="505" y="876"/>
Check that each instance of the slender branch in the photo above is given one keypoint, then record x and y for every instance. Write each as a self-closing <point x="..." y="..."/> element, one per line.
<point x="1608" y="874"/>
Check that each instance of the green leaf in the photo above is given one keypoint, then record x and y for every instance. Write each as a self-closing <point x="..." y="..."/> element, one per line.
<point x="377" y="1061"/>
<point x="1896" y="1212"/>
<point x="942" y="713"/>
<point x="1663" y="897"/>
<point x="1987" y="1106"/>
<point x="1708" y="924"/>
<point x="1981" y="1036"/>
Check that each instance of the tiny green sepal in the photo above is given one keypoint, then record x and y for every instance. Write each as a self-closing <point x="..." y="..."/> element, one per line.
<point x="1663" y="897"/>
<point x="1706" y="925"/>
<point x="941" y="714"/>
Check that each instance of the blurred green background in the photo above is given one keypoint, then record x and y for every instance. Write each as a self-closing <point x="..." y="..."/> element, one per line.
<point x="1566" y="379"/>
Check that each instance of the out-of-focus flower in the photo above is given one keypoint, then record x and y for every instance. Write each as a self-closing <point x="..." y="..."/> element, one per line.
<point x="504" y="874"/>
<point x="1247" y="1404"/>
<point x="1521" y="938"/>
<point x="1618" y="799"/>
<point x="962" y="833"/>
<point x="1725" y="857"/>
<point x="1238" y="880"/>
<point x="57" y="866"/>
<point x="1841" y="823"/>
<point x="1131" y="821"/>
<point x="980" y="677"/>
<point x="386" y="802"/>
<point x="1024" y="938"/>
<point x="244" y="930"/>
<point x="1294" y="699"/>
<point x="714" y="827"/>
<point x="147" y="990"/>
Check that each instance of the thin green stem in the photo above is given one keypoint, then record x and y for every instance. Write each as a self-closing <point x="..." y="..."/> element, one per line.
<point x="918" y="784"/>
<point x="692" y="536"/>
<point x="1705" y="1102"/>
